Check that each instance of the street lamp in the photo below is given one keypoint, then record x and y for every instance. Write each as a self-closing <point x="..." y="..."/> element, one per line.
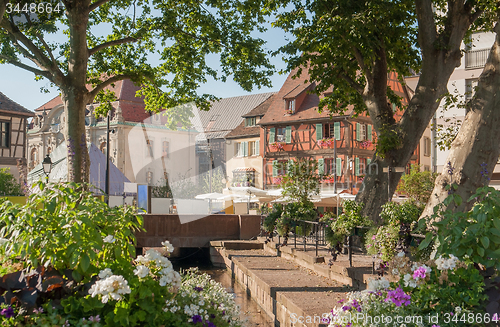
<point x="47" y="165"/>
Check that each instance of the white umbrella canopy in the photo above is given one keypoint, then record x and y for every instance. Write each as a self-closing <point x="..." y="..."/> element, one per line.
<point x="246" y="190"/>
<point x="229" y="197"/>
<point x="209" y="196"/>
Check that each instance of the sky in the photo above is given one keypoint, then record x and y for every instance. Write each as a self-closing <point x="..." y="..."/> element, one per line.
<point x="20" y="86"/>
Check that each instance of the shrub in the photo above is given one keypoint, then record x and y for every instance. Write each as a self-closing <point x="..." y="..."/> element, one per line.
<point x="8" y="183"/>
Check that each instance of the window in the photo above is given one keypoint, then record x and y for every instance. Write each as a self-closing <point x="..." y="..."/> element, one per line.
<point x="280" y="134"/>
<point x="476" y="58"/>
<point x="427" y="147"/>
<point x="360" y="132"/>
<point x="165" y="149"/>
<point x="149" y="177"/>
<point x="290" y="106"/>
<point x="427" y="168"/>
<point x="102" y="147"/>
<point x="33" y="158"/>
<point x="470" y="86"/>
<point x="4" y="134"/>
<point x="253" y="148"/>
<point x="149" y="148"/>
<point x="241" y="149"/>
<point x="250" y="121"/>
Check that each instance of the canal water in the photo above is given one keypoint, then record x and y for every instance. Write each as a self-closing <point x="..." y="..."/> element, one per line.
<point x="251" y="313"/>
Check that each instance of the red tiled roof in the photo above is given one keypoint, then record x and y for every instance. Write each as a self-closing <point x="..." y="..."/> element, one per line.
<point x="243" y="131"/>
<point x="132" y="107"/>
<point x="308" y="109"/>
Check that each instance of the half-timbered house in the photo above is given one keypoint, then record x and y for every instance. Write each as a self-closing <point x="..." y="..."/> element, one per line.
<point x="13" y="125"/>
<point x="343" y="145"/>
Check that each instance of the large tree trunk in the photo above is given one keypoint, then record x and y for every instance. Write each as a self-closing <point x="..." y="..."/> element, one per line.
<point x="75" y="94"/>
<point x="3" y="4"/>
<point x="438" y="64"/>
<point x="475" y="150"/>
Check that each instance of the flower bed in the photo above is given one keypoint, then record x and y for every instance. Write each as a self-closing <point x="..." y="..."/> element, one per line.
<point x="326" y="142"/>
<point x="442" y="292"/>
<point x="276" y="146"/>
<point x="76" y="253"/>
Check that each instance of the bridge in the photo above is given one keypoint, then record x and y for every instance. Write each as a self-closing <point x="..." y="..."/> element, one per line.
<point x="197" y="232"/>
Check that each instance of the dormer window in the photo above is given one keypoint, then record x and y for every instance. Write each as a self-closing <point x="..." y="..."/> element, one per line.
<point x="290" y="106"/>
<point x="250" y="121"/>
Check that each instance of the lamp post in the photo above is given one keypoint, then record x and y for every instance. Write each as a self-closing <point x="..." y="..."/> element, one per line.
<point x="106" y="184"/>
<point x="47" y="166"/>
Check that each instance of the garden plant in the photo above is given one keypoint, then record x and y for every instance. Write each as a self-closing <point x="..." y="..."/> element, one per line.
<point x="76" y="268"/>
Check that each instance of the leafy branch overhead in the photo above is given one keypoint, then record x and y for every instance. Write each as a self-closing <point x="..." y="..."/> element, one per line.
<point x="88" y="46"/>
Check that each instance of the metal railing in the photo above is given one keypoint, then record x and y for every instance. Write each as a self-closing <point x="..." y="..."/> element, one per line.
<point x="315" y="235"/>
<point x="476" y="58"/>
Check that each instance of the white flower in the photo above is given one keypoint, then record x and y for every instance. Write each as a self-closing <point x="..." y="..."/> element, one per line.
<point x="170" y="247"/>
<point x="401" y="254"/>
<point x="141" y="271"/>
<point x="409" y="281"/>
<point x="112" y="287"/>
<point x="109" y="239"/>
<point x="395" y="271"/>
<point x="458" y="309"/>
<point x="377" y="284"/>
<point x="3" y="241"/>
<point x="105" y="273"/>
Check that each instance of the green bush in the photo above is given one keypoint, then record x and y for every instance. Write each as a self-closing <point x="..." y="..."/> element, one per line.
<point x="8" y="183"/>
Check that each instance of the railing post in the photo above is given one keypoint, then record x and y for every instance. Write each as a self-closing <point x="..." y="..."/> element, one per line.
<point x="349" y="249"/>
<point x="316" y="232"/>
<point x="295" y="234"/>
<point x="304" y="232"/>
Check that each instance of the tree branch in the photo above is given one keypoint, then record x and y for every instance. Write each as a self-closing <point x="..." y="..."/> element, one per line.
<point x="361" y="62"/>
<point x="26" y="67"/>
<point x="37" y="56"/>
<point x="427" y="33"/>
<point x="111" y="44"/>
<point x="99" y="87"/>
<point x="352" y="83"/>
<point x="97" y="4"/>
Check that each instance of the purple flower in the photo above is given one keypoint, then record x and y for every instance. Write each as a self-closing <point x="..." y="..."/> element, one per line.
<point x="419" y="273"/>
<point x="209" y="324"/>
<point x="198" y="289"/>
<point x="94" y="319"/>
<point x="346" y="308"/>
<point x="398" y="297"/>
<point x="8" y="313"/>
<point x="356" y="305"/>
<point x="196" y="319"/>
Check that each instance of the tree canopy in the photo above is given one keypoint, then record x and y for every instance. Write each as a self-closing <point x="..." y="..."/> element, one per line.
<point x="110" y="40"/>
<point x="353" y="46"/>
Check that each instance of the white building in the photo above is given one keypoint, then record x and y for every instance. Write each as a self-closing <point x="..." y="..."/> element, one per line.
<point x="461" y="84"/>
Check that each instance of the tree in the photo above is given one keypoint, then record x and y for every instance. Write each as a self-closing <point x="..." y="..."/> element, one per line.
<point x="417" y="184"/>
<point x="355" y="45"/>
<point x="182" y="32"/>
<point x="474" y="152"/>
<point x="8" y="183"/>
<point x="301" y="180"/>
<point x="162" y="190"/>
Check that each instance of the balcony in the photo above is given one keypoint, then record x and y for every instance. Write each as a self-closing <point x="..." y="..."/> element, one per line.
<point x="476" y="58"/>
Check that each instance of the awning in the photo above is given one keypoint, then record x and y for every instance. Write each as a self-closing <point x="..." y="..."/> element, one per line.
<point x="243" y="169"/>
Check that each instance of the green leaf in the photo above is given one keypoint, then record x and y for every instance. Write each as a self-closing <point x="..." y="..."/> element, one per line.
<point x="425" y="243"/>
<point x="496" y="222"/>
<point x="485" y="241"/>
<point x="85" y="262"/>
<point x="76" y="275"/>
<point x="480" y="251"/>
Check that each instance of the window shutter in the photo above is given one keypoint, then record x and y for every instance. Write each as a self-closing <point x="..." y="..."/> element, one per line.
<point x="272" y="133"/>
<point x="356" y="166"/>
<point x="368" y="161"/>
<point x="358" y="132"/>
<point x="339" y="166"/>
<point x="289" y="166"/>
<point x="288" y="134"/>
<point x="245" y="149"/>
<point x="257" y="148"/>
<point x="319" y="132"/>
<point x="336" y="130"/>
<point x="369" y="132"/>
<point x="275" y="168"/>
<point x="321" y="166"/>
